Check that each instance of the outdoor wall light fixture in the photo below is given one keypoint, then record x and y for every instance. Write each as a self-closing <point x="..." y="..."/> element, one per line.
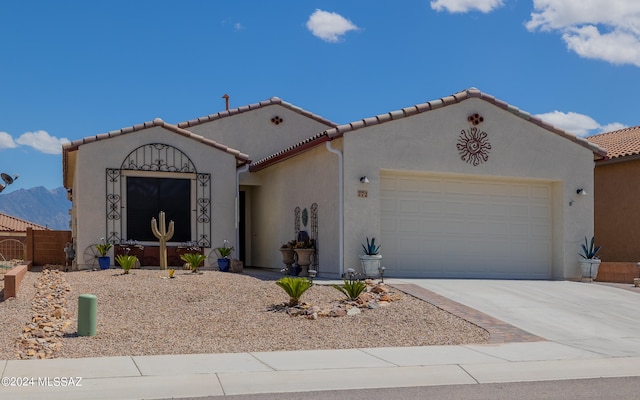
<point x="579" y="192"/>
<point x="364" y="179"/>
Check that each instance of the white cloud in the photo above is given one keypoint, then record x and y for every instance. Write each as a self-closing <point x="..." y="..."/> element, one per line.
<point x="238" y="26"/>
<point x="329" y="26"/>
<point x="614" y="126"/>
<point x="462" y="6"/>
<point x="42" y="141"/>
<point x="6" y="141"/>
<point x="601" y="29"/>
<point x="578" y="124"/>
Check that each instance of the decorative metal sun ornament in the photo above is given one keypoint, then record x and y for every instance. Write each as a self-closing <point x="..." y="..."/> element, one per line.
<point x="473" y="146"/>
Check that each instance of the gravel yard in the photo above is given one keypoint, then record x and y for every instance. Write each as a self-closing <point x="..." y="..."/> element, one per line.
<point x="146" y="313"/>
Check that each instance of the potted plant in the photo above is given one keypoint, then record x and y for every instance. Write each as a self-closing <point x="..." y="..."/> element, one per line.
<point x="193" y="259"/>
<point x="287" y="255"/>
<point x="372" y="259"/>
<point x="589" y="262"/>
<point x="126" y="262"/>
<point x="224" y="253"/>
<point x="104" y="261"/>
<point x="303" y="250"/>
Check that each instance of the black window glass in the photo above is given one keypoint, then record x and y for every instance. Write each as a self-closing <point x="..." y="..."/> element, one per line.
<point x="146" y="197"/>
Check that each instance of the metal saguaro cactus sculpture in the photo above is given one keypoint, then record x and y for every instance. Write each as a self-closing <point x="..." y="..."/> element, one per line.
<point x="163" y="234"/>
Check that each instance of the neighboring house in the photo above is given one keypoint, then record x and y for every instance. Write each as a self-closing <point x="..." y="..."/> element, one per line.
<point x="617" y="193"/>
<point x="463" y="186"/>
<point x="13" y="234"/>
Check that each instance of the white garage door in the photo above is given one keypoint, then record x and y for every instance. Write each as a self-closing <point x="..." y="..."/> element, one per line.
<point x="459" y="227"/>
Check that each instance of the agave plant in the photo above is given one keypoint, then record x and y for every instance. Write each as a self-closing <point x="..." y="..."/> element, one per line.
<point x="194" y="260"/>
<point x="351" y="288"/>
<point x="295" y="288"/>
<point x="371" y="249"/>
<point x="589" y="250"/>
<point x="126" y="262"/>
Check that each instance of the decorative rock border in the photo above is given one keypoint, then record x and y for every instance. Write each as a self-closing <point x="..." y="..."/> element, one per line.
<point x="41" y="338"/>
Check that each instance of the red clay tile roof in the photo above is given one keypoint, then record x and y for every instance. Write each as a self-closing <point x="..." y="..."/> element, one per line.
<point x="250" y="107"/>
<point x="340" y="130"/>
<point x="13" y="224"/>
<point x="620" y="143"/>
<point x="73" y="146"/>
<point x="156" y="122"/>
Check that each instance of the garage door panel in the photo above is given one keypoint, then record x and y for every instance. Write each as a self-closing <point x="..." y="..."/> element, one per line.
<point x="460" y="227"/>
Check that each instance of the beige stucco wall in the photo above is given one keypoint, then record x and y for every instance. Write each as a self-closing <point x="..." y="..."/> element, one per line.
<point x="254" y="134"/>
<point x="298" y="182"/>
<point x="89" y="193"/>
<point x="427" y="142"/>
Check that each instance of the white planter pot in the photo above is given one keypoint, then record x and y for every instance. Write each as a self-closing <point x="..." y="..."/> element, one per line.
<point x="371" y="265"/>
<point x="303" y="259"/>
<point x="590" y="268"/>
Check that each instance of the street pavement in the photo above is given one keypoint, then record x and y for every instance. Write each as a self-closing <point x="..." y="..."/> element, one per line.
<point x="590" y="329"/>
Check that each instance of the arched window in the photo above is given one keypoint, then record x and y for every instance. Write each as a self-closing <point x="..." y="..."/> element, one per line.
<point x="152" y="178"/>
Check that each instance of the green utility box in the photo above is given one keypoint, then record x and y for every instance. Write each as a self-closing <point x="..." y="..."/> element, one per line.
<point x="87" y="310"/>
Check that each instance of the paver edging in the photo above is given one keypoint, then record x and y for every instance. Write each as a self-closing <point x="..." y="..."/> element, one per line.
<point x="499" y="331"/>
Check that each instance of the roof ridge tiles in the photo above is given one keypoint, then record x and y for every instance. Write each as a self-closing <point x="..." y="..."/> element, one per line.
<point x="339" y="130"/>
<point x="254" y="106"/>
<point x="150" y="124"/>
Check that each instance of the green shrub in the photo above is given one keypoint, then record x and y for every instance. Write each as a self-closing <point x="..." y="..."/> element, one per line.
<point x="352" y="289"/>
<point x="126" y="262"/>
<point x="295" y="288"/>
<point x="193" y="259"/>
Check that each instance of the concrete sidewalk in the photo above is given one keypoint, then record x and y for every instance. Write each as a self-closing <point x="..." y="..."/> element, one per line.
<point x="592" y="336"/>
<point x="161" y="377"/>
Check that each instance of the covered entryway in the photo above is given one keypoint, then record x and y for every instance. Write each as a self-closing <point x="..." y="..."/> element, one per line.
<point x="436" y="225"/>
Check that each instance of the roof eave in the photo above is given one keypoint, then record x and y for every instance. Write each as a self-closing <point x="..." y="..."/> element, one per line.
<point x="289" y="153"/>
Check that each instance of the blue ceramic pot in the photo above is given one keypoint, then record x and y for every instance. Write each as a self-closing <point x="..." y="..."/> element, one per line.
<point x="223" y="264"/>
<point x="104" y="262"/>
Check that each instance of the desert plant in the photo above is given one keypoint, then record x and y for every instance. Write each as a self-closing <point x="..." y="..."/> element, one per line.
<point x="295" y="288"/>
<point x="371" y="249"/>
<point x="126" y="262"/>
<point x="163" y="233"/>
<point x="194" y="260"/>
<point x="103" y="247"/>
<point x="589" y="250"/>
<point x="305" y="244"/>
<point x="225" y="250"/>
<point x="351" y="288"/>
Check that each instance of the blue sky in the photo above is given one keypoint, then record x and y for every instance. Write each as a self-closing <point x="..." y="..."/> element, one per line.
<point x="71" y="69"/>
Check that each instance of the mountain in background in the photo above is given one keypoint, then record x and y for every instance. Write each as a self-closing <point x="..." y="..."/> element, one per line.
<point x="39" y="205"/>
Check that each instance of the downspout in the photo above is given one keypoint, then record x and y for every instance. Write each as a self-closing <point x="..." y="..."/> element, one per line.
<point x="340" y="206"/>
<point x="239" y="171"/>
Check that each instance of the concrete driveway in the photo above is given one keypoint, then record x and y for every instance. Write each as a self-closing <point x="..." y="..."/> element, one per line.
<point x="588" y="316"/>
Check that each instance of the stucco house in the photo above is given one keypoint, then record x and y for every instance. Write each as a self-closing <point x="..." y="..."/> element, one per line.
<point x="617" y="190"/>
<point x="462" y="186"/>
